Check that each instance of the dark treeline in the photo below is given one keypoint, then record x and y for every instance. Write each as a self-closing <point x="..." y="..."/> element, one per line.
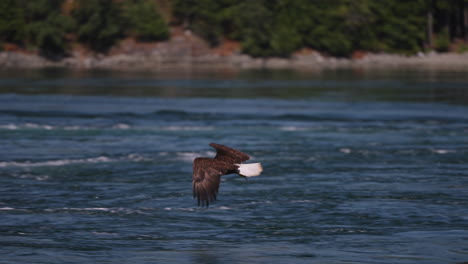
<point x="263" y="27"/>
<point x="53" y="25"/>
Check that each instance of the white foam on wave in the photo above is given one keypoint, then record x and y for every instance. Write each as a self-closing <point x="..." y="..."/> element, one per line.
<point x="54" y="162"/>
<point x="443" y="151"/>
<point x="121" y="126"/>
<point x="303" y="201"/>
<point x="187" y="128"/>
<point x="112" y="210"/>
<point x="192" y="209"/>
<point x="9" y="127"/>
<point x="63" y="162"/>
<point x="190" y="156"/>
<point x="187" y="156"/>
<point x="292" y="128"/>
<point x="345" y="150"/>
<point x="180" y="209"/>
<point x="35" y="177"/>
<point x="26" y="126"/>
<point x="118" y="126"/>
<point x="36" y="126"/>
<point x="137" y="157"/>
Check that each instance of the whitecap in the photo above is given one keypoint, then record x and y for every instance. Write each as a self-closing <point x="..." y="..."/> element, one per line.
<point x="187" y="156"/>
<point x="179" y="209"/>
<point x="6" y="209"/>
<point x="138" y="157"/>
<point x="76" y="209"/>
<point x="54" y="163"/>
<point x="35" y="177"/>
<point x="74" y="128"/>
<point x="112" y="210"/>
<point x="26" y="126"/>
<point x="303" y="201"/>
<point x="443" y="151"/>
<point x="187" y="128"/>
<point x="104" y="234"/>
<point x="190" y="156"/>
<point x="261" y="202"/>
<point x="9" y="127"/>
<point x="63" y="162"/>
<point x="121" y="126"/>
<point x="38" y="126"/>
<point x="345" y="150"/>
<point x="292" y="128"/>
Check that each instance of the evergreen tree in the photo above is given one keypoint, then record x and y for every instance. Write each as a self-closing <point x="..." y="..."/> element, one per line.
<point x="12" y="24"/>
<point x="46" y="27"/>
<point x="263" y="27"/>
<point x="144" y="20"/>
<point x="100" y="23"/>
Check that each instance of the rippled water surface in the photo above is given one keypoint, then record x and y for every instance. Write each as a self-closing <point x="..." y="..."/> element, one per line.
<point x="359" y="167"/>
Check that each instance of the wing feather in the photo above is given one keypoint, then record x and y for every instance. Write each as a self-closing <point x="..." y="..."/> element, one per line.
<point x="206" y="178"/>
<point x="229" y="155"/>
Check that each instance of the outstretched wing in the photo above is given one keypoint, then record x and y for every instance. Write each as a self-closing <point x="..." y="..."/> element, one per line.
<point x="206" y="178"/>
<point x="229" y="155"/>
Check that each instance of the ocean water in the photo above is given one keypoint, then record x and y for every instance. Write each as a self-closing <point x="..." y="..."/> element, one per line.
<point x="359" y="167"/>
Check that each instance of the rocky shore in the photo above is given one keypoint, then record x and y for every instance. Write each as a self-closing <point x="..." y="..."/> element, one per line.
<point x="189" y="52"/>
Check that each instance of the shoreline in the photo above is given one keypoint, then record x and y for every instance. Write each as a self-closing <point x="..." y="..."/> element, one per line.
<point x="185" y="51"/>
<point x="308" y="62"/>
<point x="167" y="57"/>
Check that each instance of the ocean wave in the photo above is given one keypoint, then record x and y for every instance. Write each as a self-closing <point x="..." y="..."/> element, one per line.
<point x="113" y="114"/>
<point x="192" y="209"/>
<point x="35" y="126"/>
<point x="443" y="151"/>
<point x="112" y="210"/>
<point x="190" y="156"/>
<point x="7" y="209"/>
<point x="117" y="126"/>
<point x="292" y="128"/>
<point x="63" y="162"/>
<point x="34" y="177"/>
<point x="54" y="163"/>
<point x="187" y="128"/>
<point x="26" y="126"/>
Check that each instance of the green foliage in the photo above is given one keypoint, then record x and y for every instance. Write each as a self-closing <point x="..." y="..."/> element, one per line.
<point x="46" y="27"/>
<point x="462" y="48"/>
<point x="442" y="41"/>
<point x="263" y="27"/>
<point x="12" y="24"/>
<point x="252" y="25"/>
<point x="400" y="25"/>
<point x="277" y="28"/>
<point x="328" y="30"/>
<point x="144" y="21"/>
<point x="100" y="23"/>
<point x="204" y="17"/>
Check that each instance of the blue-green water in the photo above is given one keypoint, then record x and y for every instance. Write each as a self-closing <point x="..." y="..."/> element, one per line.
<point x="359" y="167"/>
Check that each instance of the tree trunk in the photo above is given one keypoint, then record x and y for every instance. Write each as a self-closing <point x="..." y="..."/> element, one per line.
<point x="430" y="33"/>
<point x="465" y="21"/>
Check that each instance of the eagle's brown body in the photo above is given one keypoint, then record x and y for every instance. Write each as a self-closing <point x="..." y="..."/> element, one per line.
<point x="207" y="172"/>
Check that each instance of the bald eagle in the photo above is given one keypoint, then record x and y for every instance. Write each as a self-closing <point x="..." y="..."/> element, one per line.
<point x="207" y="172"/>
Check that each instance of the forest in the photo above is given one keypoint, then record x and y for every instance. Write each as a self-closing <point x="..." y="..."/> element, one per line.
<point x="264" y="28"/>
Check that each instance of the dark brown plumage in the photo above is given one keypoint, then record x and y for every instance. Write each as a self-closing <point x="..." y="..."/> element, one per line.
<point x="207" y="172"/>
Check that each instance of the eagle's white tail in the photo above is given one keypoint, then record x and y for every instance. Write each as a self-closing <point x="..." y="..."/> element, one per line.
<point x="250" y="170"/>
